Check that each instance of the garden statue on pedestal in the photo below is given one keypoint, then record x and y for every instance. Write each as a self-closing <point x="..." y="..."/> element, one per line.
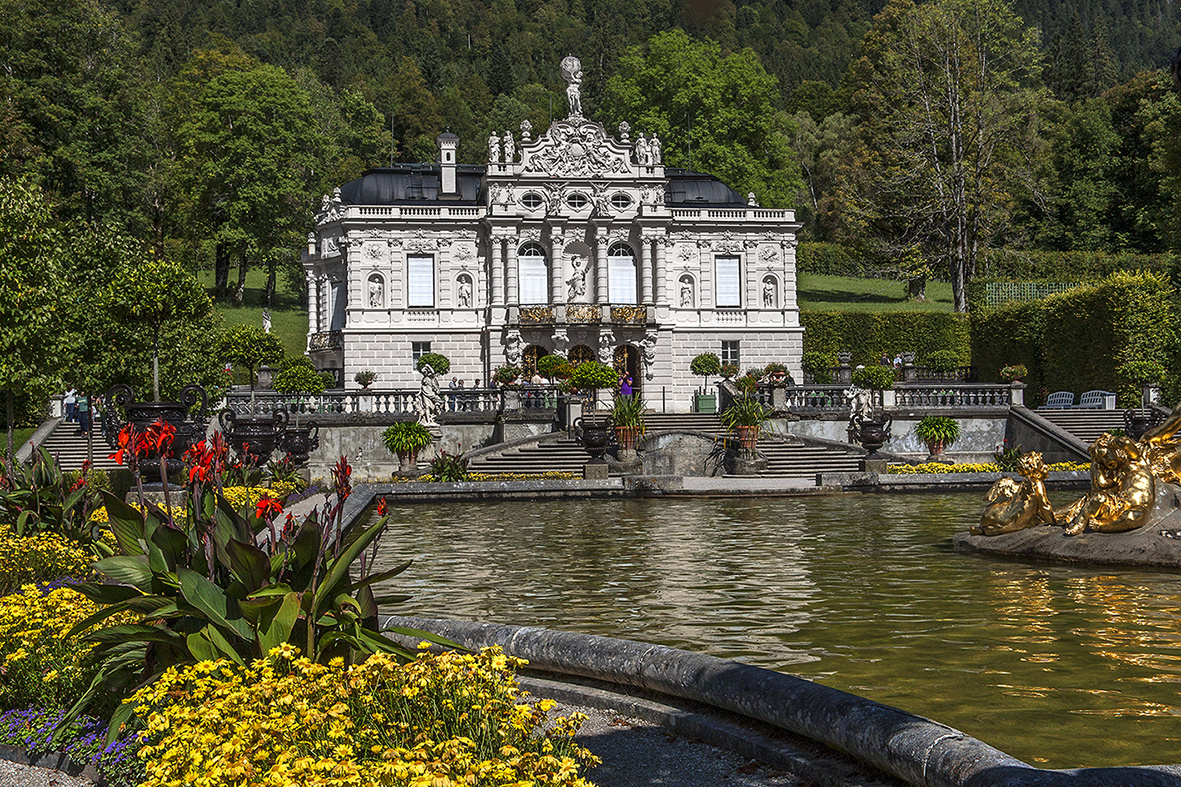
<point x="429" y="403"/>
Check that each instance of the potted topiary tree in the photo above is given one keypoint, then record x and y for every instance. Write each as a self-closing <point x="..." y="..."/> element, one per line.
<point x="818" y="366"/>
<point x="440" y="363"/>
<point x="406" y="439"/>
<point x="937" y="432"/>
<point x="705" y="365"/>
<point x="588" y="378"/>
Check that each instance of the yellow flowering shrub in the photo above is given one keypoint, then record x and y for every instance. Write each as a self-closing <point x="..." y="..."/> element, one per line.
<point x="442" y="720"/>
<point x="979" y="467"/>
<point x="100" y="514"/>
<point x="559" y="475"/>
<point x="39" y="558"/>
<point x="39" y="664"/>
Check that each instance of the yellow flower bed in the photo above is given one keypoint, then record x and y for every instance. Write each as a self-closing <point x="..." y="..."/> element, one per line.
<point x="40" y="665"/>
<point x="439" y="721"/>
<point x="38" y="558"/>
<point x="560" y="475"/>
<point x="980" y="467"/>
<point x="236" y="495"/>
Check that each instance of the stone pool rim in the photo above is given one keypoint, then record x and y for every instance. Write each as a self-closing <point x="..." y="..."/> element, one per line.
<point x="915" y="749"/>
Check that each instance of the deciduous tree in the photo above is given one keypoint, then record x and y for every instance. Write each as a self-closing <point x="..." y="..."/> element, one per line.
<point x="949" y="122"/>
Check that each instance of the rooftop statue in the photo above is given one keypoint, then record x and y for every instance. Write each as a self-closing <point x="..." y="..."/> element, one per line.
<point x="572" y="73"/>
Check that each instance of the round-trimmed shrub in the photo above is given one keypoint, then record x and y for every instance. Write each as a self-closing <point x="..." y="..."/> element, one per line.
<point x="440" y="363"/>
<point x="299" y="379"/>
<point x="875" y="377"/>
<point x="819" y="366"/>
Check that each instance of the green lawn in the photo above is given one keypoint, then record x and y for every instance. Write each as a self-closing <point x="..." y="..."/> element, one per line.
<point x="289" y="320"/>
<point x="844" y="294"/>
<point x="20" y="436"/>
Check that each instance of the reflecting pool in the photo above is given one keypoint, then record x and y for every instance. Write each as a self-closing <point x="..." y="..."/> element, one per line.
<point x="1059" y="666"/>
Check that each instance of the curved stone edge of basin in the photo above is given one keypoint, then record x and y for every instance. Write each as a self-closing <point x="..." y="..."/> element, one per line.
<point x="918" y="750"/>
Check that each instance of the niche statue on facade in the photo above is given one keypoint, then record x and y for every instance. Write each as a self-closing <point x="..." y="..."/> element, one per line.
<point x="376" y="296"/>
<point x="577" y="283"/>
<point x="464" y="292"/>
<point x="769" y="293"/>
<point x="686" y="292"/>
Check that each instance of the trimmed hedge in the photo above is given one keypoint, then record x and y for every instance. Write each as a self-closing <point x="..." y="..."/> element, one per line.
<point x="870" y="334"/>
<point x="1092" y="337"/>
<point x="833" y="259"/>
<point x="1014" y="265"/>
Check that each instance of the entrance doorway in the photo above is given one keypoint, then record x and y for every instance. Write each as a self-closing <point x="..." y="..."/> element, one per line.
<point x="627" y="361"/>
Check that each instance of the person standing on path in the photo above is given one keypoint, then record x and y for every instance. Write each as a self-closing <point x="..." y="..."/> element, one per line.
<point x="71" y="402"/>
<point x="83" y="413"/>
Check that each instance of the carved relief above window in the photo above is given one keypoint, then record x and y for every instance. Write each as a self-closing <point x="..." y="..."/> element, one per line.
<point x="573" y="148"/>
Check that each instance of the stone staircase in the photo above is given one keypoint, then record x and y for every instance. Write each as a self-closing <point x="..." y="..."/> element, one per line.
<point x="70" y="447"/>
<point x="790" y="458"/>
<point x="1086" y="425"/>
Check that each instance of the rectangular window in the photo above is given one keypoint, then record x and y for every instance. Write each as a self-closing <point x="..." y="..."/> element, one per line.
<point x="621" y="278"/>
<point x="533" y="277"/>
<point x="420" y="290"/>
<point x="727" y="286"/>
<point x="730" y="353"/>
<point x="339" y="294"/>
<point x="419" y="349"/>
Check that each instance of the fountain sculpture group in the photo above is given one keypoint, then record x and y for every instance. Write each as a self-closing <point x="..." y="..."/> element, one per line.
<point x="1133" y="485"/>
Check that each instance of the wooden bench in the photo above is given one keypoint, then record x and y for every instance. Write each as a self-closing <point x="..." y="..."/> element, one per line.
<point x="1059" y="400"/>
<point x="1096" y="400"/>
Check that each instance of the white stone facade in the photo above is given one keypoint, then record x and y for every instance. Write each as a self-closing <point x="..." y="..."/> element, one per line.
<point x="576" y="243"/>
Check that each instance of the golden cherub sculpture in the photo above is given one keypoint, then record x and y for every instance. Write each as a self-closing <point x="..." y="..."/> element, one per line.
<point x="1016" y="506"/>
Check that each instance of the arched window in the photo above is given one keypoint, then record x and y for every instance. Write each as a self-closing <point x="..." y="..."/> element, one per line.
<point x="621" y="274"/>
<point x="533" y="274"/>
<point x="529" y="359"/>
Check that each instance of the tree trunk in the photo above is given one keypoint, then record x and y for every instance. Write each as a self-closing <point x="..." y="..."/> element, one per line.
<point x="11" y="457"/>
<point x="916" y="288"/>
<point x="221" y="270"/>
<point x="269" y="294"/>
<point x="240" y="294"/>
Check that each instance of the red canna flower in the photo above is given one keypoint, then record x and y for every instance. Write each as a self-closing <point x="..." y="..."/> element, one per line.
<point x="341" y="472"/>
<point x="381" y="507"/>
<point x="126" y="443"/>
<point x="268" y="508"/>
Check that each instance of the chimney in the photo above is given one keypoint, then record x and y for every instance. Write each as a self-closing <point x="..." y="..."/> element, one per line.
<point x="447" y="182"/>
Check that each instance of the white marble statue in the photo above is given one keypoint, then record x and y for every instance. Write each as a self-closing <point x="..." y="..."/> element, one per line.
<point x="643" y="153"/>
<point x="510" y="148"/>
<point x="860" y="402"/>
<point x="429" y="403"/>
<point x="266" y="320"/>
<point x="577" y="283"/>
<point x="572" y="72"/>
<point x="654" y="149"/>
<point x="769" y="293"/>
<point x="374" y="294"/>
<point x="465" y="292"/>
<point x="686" y="294"/>
<point x="494" y="149"/>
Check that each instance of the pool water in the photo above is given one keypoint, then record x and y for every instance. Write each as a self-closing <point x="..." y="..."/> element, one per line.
<point x="1060" y="666"/>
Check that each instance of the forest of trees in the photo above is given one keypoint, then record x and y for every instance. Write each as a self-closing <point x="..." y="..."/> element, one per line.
<point x="920" y="134"/>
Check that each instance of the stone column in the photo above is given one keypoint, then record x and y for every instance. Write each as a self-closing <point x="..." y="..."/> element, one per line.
<point x="313" y="303"/>
<point x="601" y="293"/>
<point x="556" y="269"/>
<point x="496" y="255"/>
<point x="645" y="270"/>
<point x="661" y="274"/>
<point x="512" y="297"/>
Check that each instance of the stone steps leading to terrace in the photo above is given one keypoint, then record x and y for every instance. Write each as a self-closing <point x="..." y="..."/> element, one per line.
<point x="70" y="447"/>
<point x="1086" y="425"/>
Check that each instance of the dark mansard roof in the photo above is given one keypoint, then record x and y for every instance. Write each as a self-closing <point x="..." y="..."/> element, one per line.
<point x="417" y="184"/>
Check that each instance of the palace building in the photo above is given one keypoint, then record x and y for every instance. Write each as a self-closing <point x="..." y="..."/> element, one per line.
<point x="573" y="242"/>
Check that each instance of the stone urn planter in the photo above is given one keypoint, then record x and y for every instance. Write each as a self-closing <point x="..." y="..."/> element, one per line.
<point x="299" y="442"/>
<point x="253" y="439"/>
<point x="140" y="415"/>
<point x="872" y="434"/>
<point x="595" y="433"/>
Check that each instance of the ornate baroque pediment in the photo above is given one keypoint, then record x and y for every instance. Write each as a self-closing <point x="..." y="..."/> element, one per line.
<point x="574" y="148"/>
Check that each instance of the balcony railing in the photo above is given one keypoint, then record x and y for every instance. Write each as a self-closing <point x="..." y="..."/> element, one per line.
<point x="396" y="402"/>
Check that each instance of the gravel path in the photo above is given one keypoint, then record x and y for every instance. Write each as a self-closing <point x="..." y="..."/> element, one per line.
<point x="13" y="775"/>
<point x="636" y="753"/>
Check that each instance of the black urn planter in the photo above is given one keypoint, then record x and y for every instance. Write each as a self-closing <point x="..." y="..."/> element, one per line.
<point x="253" y="439"/>
<point x="141" y="415"/>
<point x="299" y="442"/>
<point x="871" y="433"/>
<point x="595" y="434"/>
<point x="1136" y="423"/>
